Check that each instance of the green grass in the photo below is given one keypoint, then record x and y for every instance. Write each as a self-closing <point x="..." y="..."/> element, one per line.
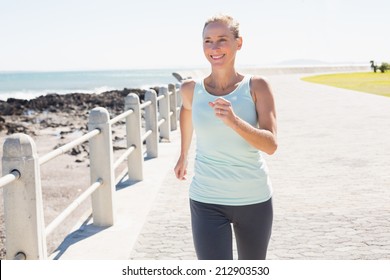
<point x="375" y="83"/>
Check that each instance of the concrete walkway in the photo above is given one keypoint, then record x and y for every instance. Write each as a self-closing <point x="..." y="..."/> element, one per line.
<point x="331" y="177"/>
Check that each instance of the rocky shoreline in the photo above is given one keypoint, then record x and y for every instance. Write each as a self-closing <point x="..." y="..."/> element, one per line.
<point x="17" y="114"/>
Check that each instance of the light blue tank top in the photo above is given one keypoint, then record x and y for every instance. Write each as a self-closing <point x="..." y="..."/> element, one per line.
<point x="228" y="171"/>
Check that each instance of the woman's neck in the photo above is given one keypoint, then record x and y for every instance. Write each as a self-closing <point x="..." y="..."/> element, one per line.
<point x="222" y="79"/>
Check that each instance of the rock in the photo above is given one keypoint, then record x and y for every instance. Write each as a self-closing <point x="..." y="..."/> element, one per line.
<point x="75" y="151"/>
<point x="17" y="128"/>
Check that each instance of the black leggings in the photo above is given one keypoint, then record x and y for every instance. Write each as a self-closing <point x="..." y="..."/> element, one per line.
<point x="212" y="231"/>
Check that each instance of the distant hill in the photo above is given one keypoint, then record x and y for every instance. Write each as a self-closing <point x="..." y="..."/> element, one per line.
<point x="303" y="62"/>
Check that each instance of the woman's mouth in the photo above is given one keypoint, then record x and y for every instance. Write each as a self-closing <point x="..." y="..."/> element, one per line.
<point x="217" y="57"/>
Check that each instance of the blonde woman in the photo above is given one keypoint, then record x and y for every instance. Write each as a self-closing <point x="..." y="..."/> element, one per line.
<point x="234" y="119"/>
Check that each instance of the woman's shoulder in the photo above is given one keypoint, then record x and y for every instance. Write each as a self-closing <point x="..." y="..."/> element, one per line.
<point x="189" y="83"/>
<point x="260" y="88"/>
<point x="188" y="86"/>
<point x="258" y="81"/>
<point x="259" y="84"/>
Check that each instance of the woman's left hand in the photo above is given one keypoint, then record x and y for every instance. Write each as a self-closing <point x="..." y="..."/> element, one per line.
<point x="223" y="110"/>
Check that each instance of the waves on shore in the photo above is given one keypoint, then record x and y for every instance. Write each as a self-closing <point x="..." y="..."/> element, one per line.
<point x="31" y="94"/>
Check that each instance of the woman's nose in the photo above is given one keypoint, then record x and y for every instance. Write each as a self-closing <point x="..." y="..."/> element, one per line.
<point x="215" y="46"/>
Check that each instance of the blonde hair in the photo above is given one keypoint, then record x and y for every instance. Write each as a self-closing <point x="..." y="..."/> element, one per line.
<point x="233" y="25"/>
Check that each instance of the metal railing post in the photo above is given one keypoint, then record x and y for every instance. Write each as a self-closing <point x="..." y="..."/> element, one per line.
<point x="151" y="124"/>
<point x="173" y="106"/>
<point x="164" y="103"/>
<point x="101" y="161"/>
<point x="23" y="207"/>
<point x="135" y="160"/>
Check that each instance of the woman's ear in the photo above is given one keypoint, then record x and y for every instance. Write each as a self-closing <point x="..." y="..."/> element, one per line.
<point x="239" y="43"/>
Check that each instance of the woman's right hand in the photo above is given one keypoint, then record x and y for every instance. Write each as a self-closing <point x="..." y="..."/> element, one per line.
<point x="181" y="168"/>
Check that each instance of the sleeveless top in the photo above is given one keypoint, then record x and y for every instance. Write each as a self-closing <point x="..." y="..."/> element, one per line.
<point x="228" y="170"/>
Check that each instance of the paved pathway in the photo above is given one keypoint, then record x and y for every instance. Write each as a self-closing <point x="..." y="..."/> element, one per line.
<point x="331" y="177"/>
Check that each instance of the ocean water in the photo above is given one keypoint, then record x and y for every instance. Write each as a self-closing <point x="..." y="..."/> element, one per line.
<point x="28" y="85"/>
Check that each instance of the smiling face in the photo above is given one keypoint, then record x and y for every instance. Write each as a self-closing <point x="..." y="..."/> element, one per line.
<point x="220" y="44"/>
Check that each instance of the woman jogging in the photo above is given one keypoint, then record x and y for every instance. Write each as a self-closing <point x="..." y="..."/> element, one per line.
<point x="234" y="120"/>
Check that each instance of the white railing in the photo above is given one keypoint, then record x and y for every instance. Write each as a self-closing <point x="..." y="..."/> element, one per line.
<point x="25" y="229"/>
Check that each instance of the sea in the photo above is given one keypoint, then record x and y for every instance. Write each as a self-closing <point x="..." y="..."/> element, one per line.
<point x="28" y="85"/>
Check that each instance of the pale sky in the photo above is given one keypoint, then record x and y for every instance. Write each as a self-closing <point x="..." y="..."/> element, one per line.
<point x="129" y="34"/>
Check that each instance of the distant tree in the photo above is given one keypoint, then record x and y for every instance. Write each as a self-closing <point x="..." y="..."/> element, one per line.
<point x="384" y="67"/>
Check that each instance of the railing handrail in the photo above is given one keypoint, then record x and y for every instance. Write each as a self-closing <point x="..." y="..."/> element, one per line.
<point x="67" y="147"/>
<point x="15" y="174"/>
<point x="145" y="104"/>
<point x="9" y="178"/>
<point x="121" y="116"/>
<point x="68" y="210"/>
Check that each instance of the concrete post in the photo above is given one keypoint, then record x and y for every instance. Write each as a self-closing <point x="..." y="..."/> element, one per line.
<point x="101" y="158"/>
<point x="23" y="207"/>
<point x="151" y="124"/>
<point x="165" y="128"/>
<point x="135" y="160"/>
<point x="173" y="106"/>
